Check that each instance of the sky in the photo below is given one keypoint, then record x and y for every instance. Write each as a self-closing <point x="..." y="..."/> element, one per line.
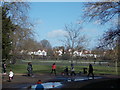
<point x="50" y="18"/>
<point x="60" y="0"/>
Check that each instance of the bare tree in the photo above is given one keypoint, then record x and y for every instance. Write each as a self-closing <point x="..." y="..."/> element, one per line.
<point x="110" y="38"/>
<point x="17" y="11"/>
<point x="45" y="44"/>
<point x="104" y="12"/>
<point x="73" y="39"/>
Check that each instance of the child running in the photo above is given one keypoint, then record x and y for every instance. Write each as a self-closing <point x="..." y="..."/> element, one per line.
<point x="11" y="74"/>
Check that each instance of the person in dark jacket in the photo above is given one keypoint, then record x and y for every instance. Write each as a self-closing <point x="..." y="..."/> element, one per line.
<point x="4" y="68"/>
<point x="66" y="71"/>
<point x="90" y="71"/>
<point x="29" y="69"/>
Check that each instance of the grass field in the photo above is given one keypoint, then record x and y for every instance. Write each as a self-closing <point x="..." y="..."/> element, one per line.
<point x="43" y="67"/>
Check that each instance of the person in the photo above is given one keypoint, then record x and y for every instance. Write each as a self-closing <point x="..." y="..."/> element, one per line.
<point x="66" y="71"/>
<point x="39" y="85"/>
<point x="72" y="65"/>
<point x="39" y="82"/>
<point x="90" y="71"/>
<point x="11" y="74"/>
<point x="53" y="69"/>
<point x="4" y="68"/>
<point x="73" y="71"/>
<point x="29" y="69"/>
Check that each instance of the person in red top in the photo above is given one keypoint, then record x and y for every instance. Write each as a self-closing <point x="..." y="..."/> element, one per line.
<point x="39" y="82"/>
<point x="53" y="69"/>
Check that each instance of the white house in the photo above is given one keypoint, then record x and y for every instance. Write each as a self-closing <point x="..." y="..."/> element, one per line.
<point x="75" y="53"/>
<point x="60" y="52"/>
<point x="44" y="53"/>
<point x="39" y="52"/>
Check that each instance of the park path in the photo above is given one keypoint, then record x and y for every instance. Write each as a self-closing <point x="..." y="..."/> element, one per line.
<point x="22" y="81"/>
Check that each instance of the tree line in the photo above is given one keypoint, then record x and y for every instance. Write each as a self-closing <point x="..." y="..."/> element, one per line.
<point x="17" y="31"/>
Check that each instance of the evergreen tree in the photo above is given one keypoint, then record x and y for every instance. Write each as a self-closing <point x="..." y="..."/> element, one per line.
<point x="7" y="28"/>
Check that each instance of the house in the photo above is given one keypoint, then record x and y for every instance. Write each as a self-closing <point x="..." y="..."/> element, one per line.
<point x="38" y="52"/>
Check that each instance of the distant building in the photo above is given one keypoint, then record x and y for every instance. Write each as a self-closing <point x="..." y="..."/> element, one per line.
<point x="59" y="52"/>
<point x="39" y="53"/>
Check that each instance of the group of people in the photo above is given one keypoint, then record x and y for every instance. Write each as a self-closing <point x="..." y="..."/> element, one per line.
<point x="66" y="71"/>
<point x="39" y="82"/>
<point x="10" y="75"/>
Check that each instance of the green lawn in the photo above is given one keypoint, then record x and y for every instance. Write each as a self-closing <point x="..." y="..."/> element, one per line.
<point x="44" y="66"/>
<point x="41" y="69"/>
